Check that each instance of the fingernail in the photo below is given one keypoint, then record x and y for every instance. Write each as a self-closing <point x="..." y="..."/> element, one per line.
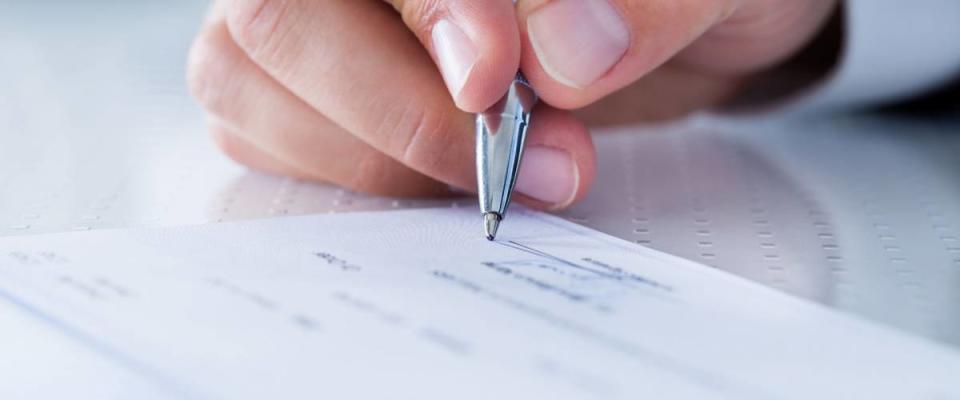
<point x="577" y="41"/>
<point x="456" y="54"/>
<point x="549" y="175"/>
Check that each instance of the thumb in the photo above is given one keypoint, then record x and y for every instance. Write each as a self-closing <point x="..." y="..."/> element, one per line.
<point x="475" y="44"/>
<point x="578" y="51"/>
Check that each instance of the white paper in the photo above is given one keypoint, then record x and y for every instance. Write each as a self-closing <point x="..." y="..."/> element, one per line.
<point x="416" y="304"/>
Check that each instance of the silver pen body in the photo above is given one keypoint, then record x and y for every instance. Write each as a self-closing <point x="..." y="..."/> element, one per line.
<point x="501" y="133"/>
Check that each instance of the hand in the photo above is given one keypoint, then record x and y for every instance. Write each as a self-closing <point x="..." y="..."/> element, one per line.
<point x="348" y="91"/>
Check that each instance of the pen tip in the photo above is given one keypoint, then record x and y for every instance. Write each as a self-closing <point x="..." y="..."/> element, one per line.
<point x="491" y="221"/>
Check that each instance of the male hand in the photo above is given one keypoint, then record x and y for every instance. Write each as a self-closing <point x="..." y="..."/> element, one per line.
<point x="378" y="96"/>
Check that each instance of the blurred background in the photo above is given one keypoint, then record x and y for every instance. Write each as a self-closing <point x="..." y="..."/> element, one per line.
<point x="856" y="212"/>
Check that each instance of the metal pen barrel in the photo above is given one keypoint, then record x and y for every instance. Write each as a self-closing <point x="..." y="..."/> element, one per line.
<point x="501" y="133"/>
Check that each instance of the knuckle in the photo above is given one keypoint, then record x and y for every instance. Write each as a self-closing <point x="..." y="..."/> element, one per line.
<point x="227" y="143"/>
<point x="423" y="138"/>
<point x="371" y="174"/>
<point x="255" y="24"/>
<point x="420" y="15"/>
<point x="209" y="69"/>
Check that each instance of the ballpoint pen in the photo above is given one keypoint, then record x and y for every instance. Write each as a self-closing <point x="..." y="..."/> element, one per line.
<point x="501" y="133"/>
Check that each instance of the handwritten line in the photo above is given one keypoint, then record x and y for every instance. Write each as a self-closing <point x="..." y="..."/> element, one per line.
<point x="609" y="272"/>
<point x="530" y="250"/>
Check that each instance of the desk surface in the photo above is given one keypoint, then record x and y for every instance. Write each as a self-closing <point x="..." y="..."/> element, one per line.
<point x="861" y="214"/>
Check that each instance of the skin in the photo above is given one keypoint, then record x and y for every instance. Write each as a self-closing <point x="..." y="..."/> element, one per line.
<point x="349" y="91"/>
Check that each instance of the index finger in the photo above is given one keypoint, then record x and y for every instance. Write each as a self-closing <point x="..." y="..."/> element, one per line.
<point x="475" y="43"/>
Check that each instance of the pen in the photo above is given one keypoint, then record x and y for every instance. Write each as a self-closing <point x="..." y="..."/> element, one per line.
<point x="501" y="132"/>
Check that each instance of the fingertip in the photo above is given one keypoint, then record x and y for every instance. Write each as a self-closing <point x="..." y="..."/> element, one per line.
<point x="477" y="49"/>
<point x="488" y="83"/>
<point x="576" y="52"/>
<point x="571" y="46"/>
<point x="559" y="162"/>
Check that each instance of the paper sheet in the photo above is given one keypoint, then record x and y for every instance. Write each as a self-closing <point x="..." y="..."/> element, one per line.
<point x="416" y="304"/>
